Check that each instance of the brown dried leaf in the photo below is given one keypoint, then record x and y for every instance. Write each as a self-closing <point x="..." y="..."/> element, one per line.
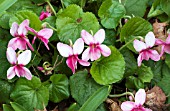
<point x="113" y="105"/>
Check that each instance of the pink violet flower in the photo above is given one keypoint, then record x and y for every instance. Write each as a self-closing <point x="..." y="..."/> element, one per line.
<point x="144" y="49"/>
<point x="140" y="97"/>
<point x="43" y="35"/>
<point x="72" y="54"/>
<point x="165" y="45"/>
<point x="95" y="48"/>
<point x="18" y="62"/>
<point x="19" y="32"/>
<point x="44" y="15"/>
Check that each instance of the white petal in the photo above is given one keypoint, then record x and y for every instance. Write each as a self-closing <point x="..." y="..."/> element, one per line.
<point x="88" y="38"/>
<point x="10" y="73"/>
<point x="14" y="29"/>
<point x="25" y="57"/>
<point x="86" y="54"/>
<point x="22" y="30"/>
<point x="140" y="97"/>
<point x="45" y="33"/>
<point x="99" y="36"/>
<point x="64" y="49"/>
<point x="139" y="45"/>
<point x="105" y="50"/>
<point x="11" y="55"/>
<point x="27" y="73"/>
<point x="150" y="39"/>
<point x="127" y="106"/>
<point x="78" y="46"/>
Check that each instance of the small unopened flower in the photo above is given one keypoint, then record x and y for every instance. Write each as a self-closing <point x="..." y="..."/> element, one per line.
<point x="19" y="32"/>
<point x="144" y="49"/>
<point x="140" y="97"/>
<point x="18" y="62"/>
<point x="43" y="35"/>
<point x="44" y="15"/>
<point x="165" y="45"/>
<point x="95" y="48"/>
<point x="72" y="54"/>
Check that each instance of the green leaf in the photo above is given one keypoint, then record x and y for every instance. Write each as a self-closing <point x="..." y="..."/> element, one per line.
<point x="135" y="27"/>
<point x="133" y="83"/>
<point x="20" y="16"/>
<point x="5" y="91"/>
<point x="145" y="73"/>
<point x="72" y="20"/>
<point x="5" y="4"/>
<point x="165" y="6"/>
<point x="59" y="88"/>
<point x="108" y="70"/>
<point x="39" y="1"/>
<point x="7" y="108"/>
<point x="78" y="2"/>
<point x="110" y="13"/>
<point x="136" y="7"/>
<point x="4" y="20"/>
<point x="82" y="86"/>
<point x="31" y="94"/>
<point x="96" y="99"/>
<point x="17" y="107"/>
<point x="110" y="37"/>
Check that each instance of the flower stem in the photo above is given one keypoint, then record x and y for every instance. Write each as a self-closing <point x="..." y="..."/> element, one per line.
<point x="51" y="7"/>
<point x="36" y="52"/>
<point x="123" y="94"/>
<point x="62" y="4"/>
<point x="51" y="26"/>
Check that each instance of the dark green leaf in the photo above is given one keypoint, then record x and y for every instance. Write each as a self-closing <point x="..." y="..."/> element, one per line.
<point x="110" y="37"/>
<point x="30" y="93"/>
<point x="82" y="86"/>
<point x="7" y="108"/>
<point x="17" y="107"/>
<point x="59" y="88"/>
<point x="5" y="4"/>
<point x="108" y="70"/>
<point x="165" y="6"/>
<point x="4" y="20"/>
<point x="110" y="13"/>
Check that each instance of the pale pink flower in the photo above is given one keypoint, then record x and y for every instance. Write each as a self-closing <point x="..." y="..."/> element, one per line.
<point x="140" y="97"/>
<point x="165" y="45"/>
<point x="72" y="53"/>
<point x="43" y="35"/>
<point x="44" y="15"/>
<point x="144" y="49"/>
<point x="18" y="62"/>
<point x="95" y="48"/>
<point x="19" y="32"/>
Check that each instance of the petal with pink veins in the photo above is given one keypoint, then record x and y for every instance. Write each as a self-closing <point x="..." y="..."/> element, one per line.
<point x="72" y="63"/>
<point x="45" y="33"/>
<point x="27" y="74"/>
<point x="22" y="30"/>
<point x="78" y="46"/>
<point x="140" y="97"/>
<point x="168" y="39"/>
<point x="127" y="106"/>
<point x="24" y="58"/>
<point x="87" y="38"/>
<point x="150" y="39"/>
<point x="167" y="48"/>
<point x="140" y="59"/>
<point x="99" y="36"/>
<point x="28" y="43"/>
<point x="86" y="54"/>
<point x="11" y="55"/>
<point x="105" y="50"/>
<point x="159" y="42"/>
<point x="10" y="73"/>
<point x="64" y="49"/>
<point x="154" y="55"/>
<point x="139" y="45"/>
<point x="31" y="30"/>
<point x="13" y="43"/>
<point x="95" y="54"/>
<point x="83" y="63"/>
<point x="14" y="29"/>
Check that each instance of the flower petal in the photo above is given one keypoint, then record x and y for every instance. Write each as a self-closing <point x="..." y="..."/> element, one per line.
<point x="72" y="63"/>
<point x="64" y="49"/>
<point x="14" y="29"/>
<point x="154" y="55"/>
<point x="86" y="54"/>
<point x="12" y="43"/>
<point x="95" y="54"/>
<point x="17" y="42"/>
<point x="140" y="59"/>
<point x="105" y="50"/>
<point x="22" y="28"/>
<point x="29" y="44"/>
<point x="140" y="97"/>
<point x="87" y="38"/>
<point x="83" y="63"/>
<point x="24" y="58"/>
<point x="167" y="49"/>
<point x="44" y="15"/>
<point x="45" y="33"/>
<point x="168" y="39"/>
<point x="150" y="39"/>
<point x="139" y="45"/>
<point x="11" y="55"/>
<point x="27" y="74"/>
<point x="10" y="73"/>
<point x="127" y="106"/>
<point x="78" y="46"/>
<point x="99" y="36"/>
<point x="159" y="42"/>
<point x="31" y="30"/>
